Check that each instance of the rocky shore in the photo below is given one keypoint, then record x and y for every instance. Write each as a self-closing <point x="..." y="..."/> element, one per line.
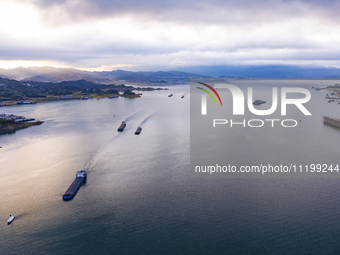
<point x="18" y="125"/>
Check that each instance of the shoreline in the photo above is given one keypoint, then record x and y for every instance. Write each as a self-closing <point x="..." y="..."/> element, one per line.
<point x="57" y="98"/>
<point x="76" y="95"/>
<point x="11" y="126"/>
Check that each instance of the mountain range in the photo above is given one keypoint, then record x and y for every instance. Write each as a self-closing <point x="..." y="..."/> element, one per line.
<point x="265" y="71"/>
<point x="55" y="75"/>
<point x="182" y="75"/>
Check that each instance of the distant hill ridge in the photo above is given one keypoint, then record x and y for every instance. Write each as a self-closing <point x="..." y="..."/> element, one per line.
<point x="266" y="71"/>
<point x="182" y="75"/>
<point x="56" y="75"/>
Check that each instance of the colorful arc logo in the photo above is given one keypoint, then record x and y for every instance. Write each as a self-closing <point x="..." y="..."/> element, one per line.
<point x="213" y="90"/>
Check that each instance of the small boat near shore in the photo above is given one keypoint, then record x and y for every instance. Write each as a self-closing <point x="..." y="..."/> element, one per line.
<point x="122" y="126"/>
<point x="170" y="95"/>
<point x="139" y="129"/>
<point x="24" y="120"/>
<point x="182" y="96"/>
<point x="26" y="102"/>
<point x="11" y="219"/>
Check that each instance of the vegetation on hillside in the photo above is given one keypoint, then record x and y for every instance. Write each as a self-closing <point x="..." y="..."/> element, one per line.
<point x="5" y="121"/>
<point x="129" y="92"/>
<point x="15" y="90"/>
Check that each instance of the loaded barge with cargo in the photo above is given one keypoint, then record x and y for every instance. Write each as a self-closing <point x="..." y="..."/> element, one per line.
<point x="73" y="189"/>
<point x="122" y="126"/>
<point x="139" y="129"/>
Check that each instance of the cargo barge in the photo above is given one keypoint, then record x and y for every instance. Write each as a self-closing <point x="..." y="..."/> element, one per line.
<point x="139" y="129"/>
<point x="258" y="102"/>
<point x="73" y="189"/>
<point x="122" y="126"/>
<point x="331" y="121"/>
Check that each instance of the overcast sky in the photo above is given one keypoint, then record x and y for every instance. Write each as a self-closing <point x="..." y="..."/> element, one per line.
<point x="154" y="35"/>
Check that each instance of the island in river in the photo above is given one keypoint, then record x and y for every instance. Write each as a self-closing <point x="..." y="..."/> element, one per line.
<point x="11" y="122"/>
<point x="18" y="125"/>
<point x="12" y="91"/>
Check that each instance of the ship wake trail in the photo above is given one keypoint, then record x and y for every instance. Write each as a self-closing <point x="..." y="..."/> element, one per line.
<point x="147" y="118"/>
<point x="98" y="153"/>
<point x="131" y="116"/>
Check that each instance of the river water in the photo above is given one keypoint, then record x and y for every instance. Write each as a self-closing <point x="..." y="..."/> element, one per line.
<point x="140" y="197"/>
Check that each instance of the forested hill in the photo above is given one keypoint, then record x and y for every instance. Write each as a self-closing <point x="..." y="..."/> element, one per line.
<point x="80" y="84"/>
<point x="16" y="90"/>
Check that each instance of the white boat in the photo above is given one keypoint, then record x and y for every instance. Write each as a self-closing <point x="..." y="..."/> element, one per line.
<point x="11" y="219"/>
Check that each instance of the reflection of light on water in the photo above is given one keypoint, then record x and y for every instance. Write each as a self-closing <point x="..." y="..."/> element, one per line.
<point x="42" y="162"/>
<point x="97" y="155"/>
